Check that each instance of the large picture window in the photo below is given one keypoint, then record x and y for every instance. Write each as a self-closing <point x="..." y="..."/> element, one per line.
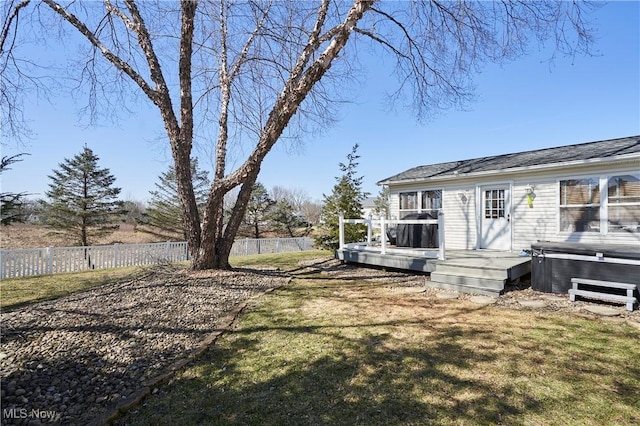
<point x="623" y="194"/>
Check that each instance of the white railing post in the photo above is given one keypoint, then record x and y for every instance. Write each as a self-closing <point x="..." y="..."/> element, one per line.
<point x="2" y="264"/>
<point x="341" y="231"/>
<point x="383" y="232"/>
<point x="369" y="220"/>
<point x="441" y="252"/>
<point x="278" y="245"/>
<point x="115" y="255"/>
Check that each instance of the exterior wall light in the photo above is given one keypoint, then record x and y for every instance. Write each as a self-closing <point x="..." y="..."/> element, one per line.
<point x="531" y="195"/>
<point x="464" y="196"/>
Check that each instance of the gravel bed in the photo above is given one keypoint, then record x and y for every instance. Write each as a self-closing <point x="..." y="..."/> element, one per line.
<point x="71" y="360"/>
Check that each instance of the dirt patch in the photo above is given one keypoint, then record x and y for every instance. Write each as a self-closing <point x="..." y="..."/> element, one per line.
<point x="515" y="297"/>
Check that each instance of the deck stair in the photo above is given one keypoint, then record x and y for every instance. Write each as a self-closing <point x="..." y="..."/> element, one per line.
<point x="487" y="276"/>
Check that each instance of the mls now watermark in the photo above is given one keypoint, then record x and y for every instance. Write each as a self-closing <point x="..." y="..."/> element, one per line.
<point x="23" y="413"/>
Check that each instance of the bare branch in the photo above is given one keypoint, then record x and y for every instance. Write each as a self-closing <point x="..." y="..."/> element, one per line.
<point x="108" y="54"/>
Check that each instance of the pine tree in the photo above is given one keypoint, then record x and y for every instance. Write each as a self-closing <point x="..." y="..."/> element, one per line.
<point x="163" y="217"/>
<point x="346" y="198"/>
<point x="82" y="202"/>
<point x="10" y="202"/>
<point x="381" y="203"/>
<point x="286" y="219"/>
<point x="258" y="211"/>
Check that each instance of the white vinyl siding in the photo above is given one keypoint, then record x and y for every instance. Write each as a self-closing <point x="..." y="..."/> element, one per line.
<point x="460" y="227"/>
<point x="538" y="222"/>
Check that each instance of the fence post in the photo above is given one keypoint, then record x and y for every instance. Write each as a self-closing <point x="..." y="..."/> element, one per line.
<point x="341" y="231"/>
<point x="369" y="228"/>
<point x="1" y="263"/>
<point x="441" y="252"/>
<point x="383" y="235"/>
<point x="115" y="255"/>
<point x="167" y="250"/>
<point x="246" y="246"/>
<point x="278" y="245"/>
<point x="50" y="260"/>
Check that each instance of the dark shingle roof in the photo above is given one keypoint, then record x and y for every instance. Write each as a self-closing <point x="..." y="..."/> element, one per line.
<point x="502" y="163"/>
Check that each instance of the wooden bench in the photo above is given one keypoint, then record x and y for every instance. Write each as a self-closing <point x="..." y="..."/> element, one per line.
<point x="629" y="299"/>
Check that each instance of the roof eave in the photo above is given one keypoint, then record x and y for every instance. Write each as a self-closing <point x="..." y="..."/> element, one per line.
<point x="540" y="167"/>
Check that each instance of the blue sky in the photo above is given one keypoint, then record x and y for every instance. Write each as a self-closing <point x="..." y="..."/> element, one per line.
<point x="523" y="105"/>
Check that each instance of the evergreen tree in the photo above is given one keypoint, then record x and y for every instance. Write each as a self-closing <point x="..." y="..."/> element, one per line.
<point x="288" y="220"/>
<point x="163" y="217"/>
<point x="381" y="203"/>
<point x="287" y="216"/>
<point x="258" y="211"/>
<point x="346" y="198"/>
<point x="82" y="202"/>
<point x="10" y="202"/>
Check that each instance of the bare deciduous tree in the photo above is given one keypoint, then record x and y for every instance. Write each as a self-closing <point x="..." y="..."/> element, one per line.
<point x="264" y="71"/>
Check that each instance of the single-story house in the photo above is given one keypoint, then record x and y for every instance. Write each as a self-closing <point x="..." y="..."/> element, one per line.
<point x="586" y="193"/>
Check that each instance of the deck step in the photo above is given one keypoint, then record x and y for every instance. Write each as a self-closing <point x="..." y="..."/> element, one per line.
<point x="487" y="272"/>
<point x="479" y="279"/>
<point x="464" y="288"/>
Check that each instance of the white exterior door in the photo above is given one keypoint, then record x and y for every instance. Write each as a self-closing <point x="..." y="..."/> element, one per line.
<point x="495" y="217"/>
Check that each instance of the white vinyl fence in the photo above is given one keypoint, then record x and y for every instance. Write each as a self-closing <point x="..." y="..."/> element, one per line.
<point x="52" y="260"/>
<point x="247" y="246"/>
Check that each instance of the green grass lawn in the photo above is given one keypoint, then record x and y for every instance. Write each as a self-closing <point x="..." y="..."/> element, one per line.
<point x="326" y="350"/>
<point x="16" y="292"/>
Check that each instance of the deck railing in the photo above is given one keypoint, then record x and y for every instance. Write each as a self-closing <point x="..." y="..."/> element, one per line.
<point x="383" y="224"/>
<point x="52" y="260"/>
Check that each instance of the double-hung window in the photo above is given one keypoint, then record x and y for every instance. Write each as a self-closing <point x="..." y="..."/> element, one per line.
<point x="432" y="202"/>
<point x="603" y="204"/>
<point x="580" y="205"/>
<point x="623" y="203"/>
<point x="408" y="203"/>
<point x="427" y="201"/>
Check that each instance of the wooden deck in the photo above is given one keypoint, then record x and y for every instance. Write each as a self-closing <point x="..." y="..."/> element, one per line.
<point x="470" y="271"/>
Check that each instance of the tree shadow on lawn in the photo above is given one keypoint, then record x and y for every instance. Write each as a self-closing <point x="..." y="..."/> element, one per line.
<point x="362" y="380"/>
<point x="276" y="369"/>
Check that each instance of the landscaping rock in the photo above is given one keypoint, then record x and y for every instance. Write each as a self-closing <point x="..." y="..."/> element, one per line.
<point x="80" y="355"/>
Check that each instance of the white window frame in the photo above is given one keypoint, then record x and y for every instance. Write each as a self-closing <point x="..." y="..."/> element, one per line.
<point x="561" y="206"/>
<point x="603" y="182"/>
<point x="606" y="201"/>
<point x="419" y="207"/>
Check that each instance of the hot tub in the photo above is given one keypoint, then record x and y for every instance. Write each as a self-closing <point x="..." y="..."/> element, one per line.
<point x="554" y="264"/>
